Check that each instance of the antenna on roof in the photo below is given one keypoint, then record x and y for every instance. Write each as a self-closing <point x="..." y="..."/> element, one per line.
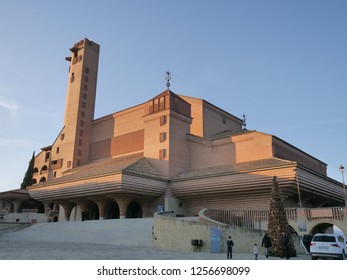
<point x="244" y="119"/>
<point x="168" y="78"/>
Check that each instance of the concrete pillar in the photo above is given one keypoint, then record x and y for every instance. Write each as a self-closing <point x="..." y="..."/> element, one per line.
<point x="102" y="203"/>
<point x="47" y="207"/>
<point x="16" y="203"/>
<point x="68" y="206"/>
<point x="301" y="220"/>
<point x="83" y="205"/>
<point x="123" y="201"/>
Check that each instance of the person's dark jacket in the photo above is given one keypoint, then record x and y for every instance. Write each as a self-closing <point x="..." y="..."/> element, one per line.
<point x="266" y="242"/>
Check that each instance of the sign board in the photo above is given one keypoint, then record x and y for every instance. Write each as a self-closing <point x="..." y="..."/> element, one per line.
<point x="215" y="240"/>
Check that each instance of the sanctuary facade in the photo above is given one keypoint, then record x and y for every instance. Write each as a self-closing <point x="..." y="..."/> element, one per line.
<point x="172" y="152"/>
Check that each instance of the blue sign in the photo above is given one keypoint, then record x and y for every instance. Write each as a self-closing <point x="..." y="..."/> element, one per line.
<point x="215" y="239"/>
<point x="160" y="208"/>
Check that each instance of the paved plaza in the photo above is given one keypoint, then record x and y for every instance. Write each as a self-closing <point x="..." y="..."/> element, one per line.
<point x="97" y="240"/>
<point x="34" y="250"/>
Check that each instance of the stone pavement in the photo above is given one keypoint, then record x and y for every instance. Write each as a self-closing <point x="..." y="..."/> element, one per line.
<point x="35" y="250"/>
<point x="127" y="239"/>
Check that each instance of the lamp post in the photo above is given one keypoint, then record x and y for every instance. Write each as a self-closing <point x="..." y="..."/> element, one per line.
<point x="342" y="169"/>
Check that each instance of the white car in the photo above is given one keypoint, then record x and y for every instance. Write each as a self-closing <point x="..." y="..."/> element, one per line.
<point x="326" y="245"/>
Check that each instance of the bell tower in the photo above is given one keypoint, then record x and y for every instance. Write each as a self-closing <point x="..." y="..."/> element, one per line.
<point x="80" y="102"/>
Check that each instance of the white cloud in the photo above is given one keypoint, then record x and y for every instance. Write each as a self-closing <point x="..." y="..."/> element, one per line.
<point x="9" y="104"/>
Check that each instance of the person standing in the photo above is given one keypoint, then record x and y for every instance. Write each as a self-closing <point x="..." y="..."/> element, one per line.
<point x="285" y="245"/>
<point x="255" y="251"/>
<point x="230" y="245"/>
<point x="266" y="242"/>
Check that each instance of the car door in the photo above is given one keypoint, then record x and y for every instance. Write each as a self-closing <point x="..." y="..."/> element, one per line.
<point x="305" y="242"/>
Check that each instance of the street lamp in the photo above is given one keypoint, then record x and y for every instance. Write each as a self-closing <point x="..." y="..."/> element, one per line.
<point x="342" y="169"/>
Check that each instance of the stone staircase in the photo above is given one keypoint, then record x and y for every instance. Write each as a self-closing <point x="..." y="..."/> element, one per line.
<point x="122" y="232"/>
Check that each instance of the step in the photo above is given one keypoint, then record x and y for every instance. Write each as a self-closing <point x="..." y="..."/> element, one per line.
<point x="122" y="232"/>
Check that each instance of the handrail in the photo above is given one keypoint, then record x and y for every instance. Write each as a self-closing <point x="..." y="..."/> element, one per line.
<point x="253" y="218"/>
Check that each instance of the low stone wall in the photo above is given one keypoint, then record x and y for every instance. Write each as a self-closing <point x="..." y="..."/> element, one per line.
<point x="10" y="227"/>
<point x="176" y="234"/>
<point x="27" y="217"/>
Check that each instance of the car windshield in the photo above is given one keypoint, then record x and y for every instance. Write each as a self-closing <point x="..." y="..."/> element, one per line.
<point x="324" y="238"/>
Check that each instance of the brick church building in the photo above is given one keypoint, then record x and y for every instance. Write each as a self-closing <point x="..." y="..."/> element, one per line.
<point x="172" y="152"/>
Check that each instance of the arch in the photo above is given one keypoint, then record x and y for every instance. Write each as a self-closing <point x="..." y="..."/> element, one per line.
<point x="293" y="230"/>
<point x="134" y="210"/>
<point x="32" y="205"/>
<point x="112" y="211"/>
<point x="34" y="181"/>
<point x="325" y="226"/>
<point x="92" y="212"/>
<point x="44" y="169"/>
<point x="42" y="180"/>
<point x="35" y="170"/>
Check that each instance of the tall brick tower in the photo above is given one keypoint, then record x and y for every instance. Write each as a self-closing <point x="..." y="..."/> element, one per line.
<point x="80" y="102"/>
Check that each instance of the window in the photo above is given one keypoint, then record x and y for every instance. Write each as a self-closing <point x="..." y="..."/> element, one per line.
<point x="156" y="105"/>
<point x="162" y="104"/>
<point x="162" y="137"/>
<point x="72" y="78"/>
<point x="44" y="169"/>
<point x="162" y="153"/>
<point x="47" y="156"/>
<point x="62" y="136"/>
<point x="162" y="120"/>
<point x="57" y="150"/>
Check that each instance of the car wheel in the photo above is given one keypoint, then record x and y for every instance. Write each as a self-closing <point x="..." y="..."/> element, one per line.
<point x="341" y="256"/>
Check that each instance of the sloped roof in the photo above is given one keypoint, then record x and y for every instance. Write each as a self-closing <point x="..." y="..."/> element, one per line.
<point x="228" y="133"/>
<point x="167" y="92"/>
<point x="234" y="168"/>
<point x="15" y="194"/>
<point x="133" y="164"/>
<point x="143" y="167"/>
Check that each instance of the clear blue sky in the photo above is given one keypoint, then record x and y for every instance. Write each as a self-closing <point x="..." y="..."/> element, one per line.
<point x="283" y="63"/>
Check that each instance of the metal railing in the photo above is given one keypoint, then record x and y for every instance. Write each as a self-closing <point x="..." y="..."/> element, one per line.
<point x="253" y="218"/>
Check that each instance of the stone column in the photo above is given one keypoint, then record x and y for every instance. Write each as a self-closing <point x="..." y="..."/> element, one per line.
<point x="301" y="220"/>
<point x="83" y="205"/>
<point x="123" y="201"/>
<point x="68" y="206"/>
<point x="102" y="205"/>
<point x="16" y="204"/>
<point x="47" y="207"/>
